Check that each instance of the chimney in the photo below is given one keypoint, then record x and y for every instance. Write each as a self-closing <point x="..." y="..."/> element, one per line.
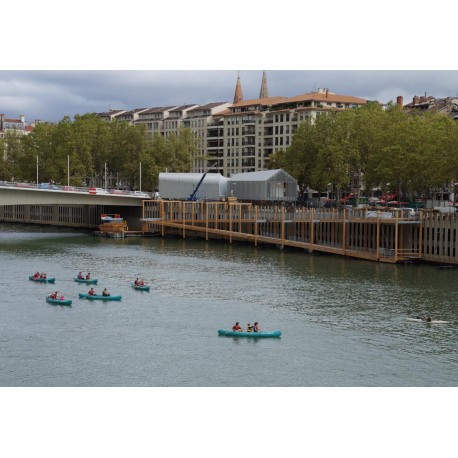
<point x="400" y="101"/>
<point x="327" y="90"/>
<point x="416" y="100"/>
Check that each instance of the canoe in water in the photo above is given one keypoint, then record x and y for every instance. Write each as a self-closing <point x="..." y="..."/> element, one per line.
<point x="92" y="281"/>
<point x="99" y="297"/>
<point x="140" y="288"/>
<point x="419" y="320"/>
<point x="222" y="332"/>
<point x="42" y="280"/>
<point x="59" y="301"/>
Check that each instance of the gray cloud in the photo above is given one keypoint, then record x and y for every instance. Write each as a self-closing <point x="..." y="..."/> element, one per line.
<point x="51" y="95"/>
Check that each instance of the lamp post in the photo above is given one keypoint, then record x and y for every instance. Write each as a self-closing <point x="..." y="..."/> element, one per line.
<point x="105" y="176"/>
<point x="37" y="171"/>
<point x="68" y="170"/>
<point x="140" y="176"/>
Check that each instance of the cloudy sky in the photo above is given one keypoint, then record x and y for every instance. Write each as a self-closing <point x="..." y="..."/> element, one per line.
<point x="50" y="95"/>
<point x="90" y="58"/>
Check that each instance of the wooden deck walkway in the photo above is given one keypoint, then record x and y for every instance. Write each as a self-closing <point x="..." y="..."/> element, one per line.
<point x="384" y="236"/>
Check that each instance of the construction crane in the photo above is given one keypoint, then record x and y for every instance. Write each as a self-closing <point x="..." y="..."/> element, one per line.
<point x="193" y="196"/>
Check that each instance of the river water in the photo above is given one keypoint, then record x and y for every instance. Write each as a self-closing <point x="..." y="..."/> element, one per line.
<point x="343" y="321"/>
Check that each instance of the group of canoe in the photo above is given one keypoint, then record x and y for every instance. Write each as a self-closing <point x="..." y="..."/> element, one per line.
<point x="58" y="299"/>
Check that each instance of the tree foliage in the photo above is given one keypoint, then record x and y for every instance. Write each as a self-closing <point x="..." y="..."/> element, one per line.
<point x="388" y="148"/>
<point x="88" y="144"/>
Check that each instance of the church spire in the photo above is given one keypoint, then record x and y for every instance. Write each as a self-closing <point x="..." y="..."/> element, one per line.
<point x="238" y="96"/>
<point x="264" y="92"/>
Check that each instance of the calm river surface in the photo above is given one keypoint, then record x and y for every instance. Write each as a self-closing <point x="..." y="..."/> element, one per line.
<point x="343" y="321"/>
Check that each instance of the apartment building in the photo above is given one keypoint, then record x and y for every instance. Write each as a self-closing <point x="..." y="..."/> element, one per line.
<point x="250" y="131"/>
<point x="239" y="137"/>
<point x="201" y="121"/>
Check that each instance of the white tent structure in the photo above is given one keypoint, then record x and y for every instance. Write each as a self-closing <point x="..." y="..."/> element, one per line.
<point x="180" y="186"/>
<point x="267" y="185"/>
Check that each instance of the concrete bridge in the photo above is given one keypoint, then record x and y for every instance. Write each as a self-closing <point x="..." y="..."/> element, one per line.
<point x="67" y="205"/>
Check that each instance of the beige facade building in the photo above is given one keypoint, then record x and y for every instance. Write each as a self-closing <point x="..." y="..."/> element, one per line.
<point x="239" y="137"/>
<point x="251" y="130"/>
<point x="17" y="125"/>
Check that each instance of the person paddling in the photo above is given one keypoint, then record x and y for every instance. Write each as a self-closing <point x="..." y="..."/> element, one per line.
<point x="256" y="327"/>
<point x="91" y="292"/>
<point x="237" y="327"/>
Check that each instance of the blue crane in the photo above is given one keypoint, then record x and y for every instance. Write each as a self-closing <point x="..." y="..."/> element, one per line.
<point x="193" y="196"/>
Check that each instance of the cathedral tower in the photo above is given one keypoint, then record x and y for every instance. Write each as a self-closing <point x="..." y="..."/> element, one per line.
<point x="238" y="96"/>
<point x="264" y="92"/>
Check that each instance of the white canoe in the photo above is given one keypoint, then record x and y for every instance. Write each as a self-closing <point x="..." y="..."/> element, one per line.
<point x="419" y="320"/>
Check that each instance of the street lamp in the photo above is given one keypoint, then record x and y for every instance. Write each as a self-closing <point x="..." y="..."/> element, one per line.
<point x="37" y="171"/>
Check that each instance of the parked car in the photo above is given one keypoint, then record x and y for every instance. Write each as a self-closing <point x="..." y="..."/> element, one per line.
<point x="140" y="194"/>
<point x="97" y="191"/>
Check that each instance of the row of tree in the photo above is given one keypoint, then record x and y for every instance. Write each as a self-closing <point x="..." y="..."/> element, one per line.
<point x="411" y="153"/>
<point x="88" y="143"/>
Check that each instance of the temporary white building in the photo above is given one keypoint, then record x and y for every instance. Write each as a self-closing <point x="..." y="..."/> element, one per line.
<point x="267" y="185"/>
<point x="180" y="186"/>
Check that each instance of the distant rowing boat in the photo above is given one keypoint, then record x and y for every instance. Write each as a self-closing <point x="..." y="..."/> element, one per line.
<point x="140" y="287"/>
<point x="222" y="332"/>
<point x="99" y="297"/>
<point x="59" y="301"/>
<point x="92" y="281"/>
<point x="419" y="320"/>
<point x="42" y="280"/>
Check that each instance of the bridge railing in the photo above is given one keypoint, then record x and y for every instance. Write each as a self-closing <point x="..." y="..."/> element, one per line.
<point x="85" y="190"/>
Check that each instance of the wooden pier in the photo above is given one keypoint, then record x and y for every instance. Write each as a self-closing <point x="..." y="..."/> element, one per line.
<point x="391" y="235"/>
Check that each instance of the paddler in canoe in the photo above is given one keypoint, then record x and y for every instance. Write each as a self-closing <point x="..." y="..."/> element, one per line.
<point x="237" y="327"/>
<point x="139" y="282"/>
<point x="91" y="292"/>
<point x="105" y="292"/>
<point x="80" y="276"/>
<point x="88" y="276"/>
<point x="424" y="318"/>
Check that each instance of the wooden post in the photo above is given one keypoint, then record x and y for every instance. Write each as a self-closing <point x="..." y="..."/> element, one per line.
<point x="256" y="225"/>
<point x="183" y="217"/>
<point x="420" y="237"/>
<point x="312" y="228"/>
<point x="282" y="227"/>
<point x="396" y="240"/>
<point x="206" y="220"/>
<point x="344" y="231"/>
<point x="162" y="217"/>
<point x="230" y="222"/>
<point x="377" y="253"/>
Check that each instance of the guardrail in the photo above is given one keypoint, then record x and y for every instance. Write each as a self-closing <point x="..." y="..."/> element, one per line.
<point x="84" y="190"/>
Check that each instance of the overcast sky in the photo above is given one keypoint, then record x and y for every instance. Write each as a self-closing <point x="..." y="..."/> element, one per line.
<point x="51" y="95"/>
<point x="81" y="59"/>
